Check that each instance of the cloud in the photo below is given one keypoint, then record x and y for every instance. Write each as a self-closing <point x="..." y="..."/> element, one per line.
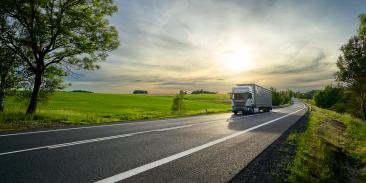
<point x="167" y="45"/>
<point x="299" y="64"/>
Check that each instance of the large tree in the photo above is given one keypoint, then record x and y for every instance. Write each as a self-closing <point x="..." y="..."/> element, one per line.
<point x="352" y="68"/>
<point x="63" y="34"/>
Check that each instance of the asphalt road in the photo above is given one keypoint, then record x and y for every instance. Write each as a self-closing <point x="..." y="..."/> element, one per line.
<point x="209" y="148"/>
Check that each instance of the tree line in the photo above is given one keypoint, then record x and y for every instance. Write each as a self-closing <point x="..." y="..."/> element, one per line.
<point x="201" y="91"/>
<point x="42" y="41"/>
<point x="284" y="97"/>
<point x="281" y="97"/>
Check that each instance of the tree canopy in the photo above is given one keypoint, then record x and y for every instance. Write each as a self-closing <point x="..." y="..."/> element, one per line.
<point x="64" y="34"/>
<point x="352" y="68"/>
<point x="9" y="76"/>
<point x="362" y="28"/>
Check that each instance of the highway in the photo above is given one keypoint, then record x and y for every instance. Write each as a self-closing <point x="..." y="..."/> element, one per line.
<point x="206" y="148"/>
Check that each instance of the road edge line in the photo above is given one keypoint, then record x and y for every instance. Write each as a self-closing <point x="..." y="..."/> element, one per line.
<point x="146" y="167"/>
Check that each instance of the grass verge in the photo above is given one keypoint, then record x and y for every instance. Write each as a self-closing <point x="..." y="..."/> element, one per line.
<point x="331" y="149"/>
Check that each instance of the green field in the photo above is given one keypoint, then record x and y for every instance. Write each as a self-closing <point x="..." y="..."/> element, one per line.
<point x="68" y="108"/>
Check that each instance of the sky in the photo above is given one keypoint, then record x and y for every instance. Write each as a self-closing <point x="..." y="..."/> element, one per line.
<point x="169" y="45"/>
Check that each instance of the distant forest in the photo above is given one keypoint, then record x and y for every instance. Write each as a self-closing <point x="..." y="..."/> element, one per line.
<point x="201" y="91"/>
<point x="140" y="92"/>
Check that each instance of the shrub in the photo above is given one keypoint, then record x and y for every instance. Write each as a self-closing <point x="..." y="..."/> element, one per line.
<point x="328" y="97"/>
<point x="177" y="105"/>
<point x="339" y="107"/>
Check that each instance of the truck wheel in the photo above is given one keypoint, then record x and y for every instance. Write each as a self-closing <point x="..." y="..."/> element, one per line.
<point x="235" y="112"/>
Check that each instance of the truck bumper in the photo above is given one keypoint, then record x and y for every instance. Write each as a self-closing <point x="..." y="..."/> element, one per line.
<point x="237" y="109"/>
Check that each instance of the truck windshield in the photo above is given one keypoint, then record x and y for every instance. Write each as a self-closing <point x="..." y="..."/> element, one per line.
<point x="240" y="96"/>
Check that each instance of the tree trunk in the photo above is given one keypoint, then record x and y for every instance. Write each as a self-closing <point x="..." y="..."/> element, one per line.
<point x="2" y="86"/>
<point x="2" y="94"/>
<point x="34" y="97"/>
<point x="363" y="108"/>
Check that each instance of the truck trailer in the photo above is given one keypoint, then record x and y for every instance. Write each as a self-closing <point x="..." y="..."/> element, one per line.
<point x="246" y="98"/>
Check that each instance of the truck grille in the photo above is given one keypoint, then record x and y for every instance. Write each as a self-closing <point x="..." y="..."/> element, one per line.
<point x="239" y="104"/>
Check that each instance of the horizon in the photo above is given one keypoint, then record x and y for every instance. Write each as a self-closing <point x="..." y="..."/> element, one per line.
<point x="167" y="46"/>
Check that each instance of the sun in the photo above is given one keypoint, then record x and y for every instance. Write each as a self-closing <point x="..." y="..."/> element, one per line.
<point x="238" y="61"/>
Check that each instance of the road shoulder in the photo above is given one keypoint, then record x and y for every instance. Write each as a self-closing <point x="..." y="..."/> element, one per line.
<point x="271" y="164"/>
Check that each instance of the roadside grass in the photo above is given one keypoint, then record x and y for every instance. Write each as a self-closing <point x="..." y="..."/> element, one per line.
<point x="331" y="149"/>
<point x="67" y="108"/>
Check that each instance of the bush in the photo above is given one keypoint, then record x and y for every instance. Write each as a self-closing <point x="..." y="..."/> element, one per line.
<point x="329" y="96"/>
<point x="339" y="107"/>
<point x="177" y="105"/>
<point x="338" y="99"/>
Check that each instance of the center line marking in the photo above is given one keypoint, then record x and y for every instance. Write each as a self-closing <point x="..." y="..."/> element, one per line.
<point x="117" y="124"/>
<point x="143" y="168"/>
<point x="102" y="138"/>
<point x="111" y="137"/>
<point x="98" y="126"/>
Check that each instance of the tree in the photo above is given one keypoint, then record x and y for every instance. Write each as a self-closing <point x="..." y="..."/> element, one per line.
<point x="329" y="96"/>
<point x="63" y="34"/>
<point x="52" y="81"/>
<point x="276" y="99"/>
<point x="352" y="68"/>
<point x="177" y="105"/>
<point x="362" y="28"/>
<point x="281" y="97"/>
<point x="8" y="76"/>
<point x="310" y="94"/>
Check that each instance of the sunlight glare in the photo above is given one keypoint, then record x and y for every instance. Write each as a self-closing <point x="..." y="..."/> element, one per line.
<point x="238" y="61"/>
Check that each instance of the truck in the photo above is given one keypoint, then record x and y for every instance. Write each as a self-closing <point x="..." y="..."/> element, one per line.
<point x="246" y="98"/>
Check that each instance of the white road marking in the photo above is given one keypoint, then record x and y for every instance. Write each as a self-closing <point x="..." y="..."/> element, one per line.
<point x="96" y="126"/>
<point x="23" y="150"/>
<point x="115" y="137"/>
<point x="102" y="138"/>
<point x="108" y="137"/>
<point x="143" y="168"/>
<point x="117" y="124"/>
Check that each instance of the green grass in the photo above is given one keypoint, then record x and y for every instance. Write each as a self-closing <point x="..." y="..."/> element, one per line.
<point x="67" y="108"/>
<point x="331" y="149"/>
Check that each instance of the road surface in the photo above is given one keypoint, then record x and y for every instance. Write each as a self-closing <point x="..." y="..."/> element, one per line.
<point x="208" y="148"/>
